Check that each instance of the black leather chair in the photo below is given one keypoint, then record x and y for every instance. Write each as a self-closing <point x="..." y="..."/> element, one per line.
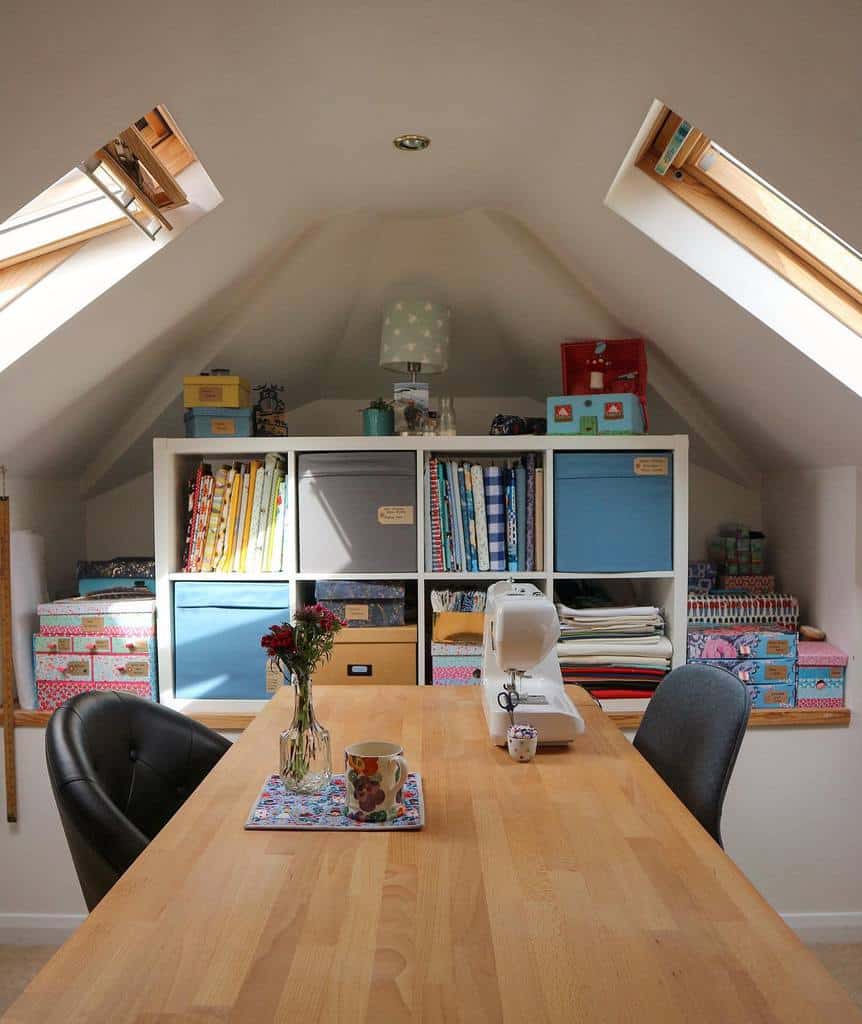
<point x="691" y="733"/>
<point x="120" y="768"/>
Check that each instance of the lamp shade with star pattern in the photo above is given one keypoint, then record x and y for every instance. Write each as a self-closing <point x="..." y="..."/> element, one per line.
<point x="415" y="336"/>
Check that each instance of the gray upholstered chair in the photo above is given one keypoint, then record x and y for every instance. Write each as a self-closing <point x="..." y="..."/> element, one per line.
<point x="691" y="733"/>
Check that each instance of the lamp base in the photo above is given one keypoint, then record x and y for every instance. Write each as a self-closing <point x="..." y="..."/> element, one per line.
<point x="410" y="400"/>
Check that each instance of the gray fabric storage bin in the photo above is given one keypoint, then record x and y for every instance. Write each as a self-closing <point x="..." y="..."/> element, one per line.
<point x="357" y="511"/>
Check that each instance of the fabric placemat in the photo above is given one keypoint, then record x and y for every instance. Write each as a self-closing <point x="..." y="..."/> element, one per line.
<point x="275" y="809"/>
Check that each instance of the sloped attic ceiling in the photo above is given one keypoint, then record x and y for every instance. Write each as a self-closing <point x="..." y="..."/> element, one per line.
<point x="531" y="108"/>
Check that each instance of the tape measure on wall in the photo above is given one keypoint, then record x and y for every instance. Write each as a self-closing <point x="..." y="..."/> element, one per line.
<point x="7" y="674"/>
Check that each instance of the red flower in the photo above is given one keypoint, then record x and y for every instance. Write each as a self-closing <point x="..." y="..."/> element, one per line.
<point x="279" y="640"/>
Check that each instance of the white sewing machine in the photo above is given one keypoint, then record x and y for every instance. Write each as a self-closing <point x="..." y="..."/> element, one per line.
<point x="519" y="656"/>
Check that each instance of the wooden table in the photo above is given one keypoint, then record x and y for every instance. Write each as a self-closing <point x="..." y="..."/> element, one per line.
<point x="575" y="888"/>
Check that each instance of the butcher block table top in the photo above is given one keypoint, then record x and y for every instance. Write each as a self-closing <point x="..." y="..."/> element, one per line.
<point x="575" y="888"/>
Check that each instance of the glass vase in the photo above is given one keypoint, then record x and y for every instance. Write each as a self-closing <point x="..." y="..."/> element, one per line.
<point x="305" y="750"/>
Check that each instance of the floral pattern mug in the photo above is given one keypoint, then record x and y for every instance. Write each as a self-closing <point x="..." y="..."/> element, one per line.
<point x="375" y="774"/>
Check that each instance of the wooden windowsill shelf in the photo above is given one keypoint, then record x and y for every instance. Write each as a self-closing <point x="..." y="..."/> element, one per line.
<point x="229" y="721"/>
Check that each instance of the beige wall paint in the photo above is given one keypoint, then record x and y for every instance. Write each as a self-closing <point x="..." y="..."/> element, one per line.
<point x="713" y="500"/>
<point x="53" y="509"/>
<point x="120" y="521"/>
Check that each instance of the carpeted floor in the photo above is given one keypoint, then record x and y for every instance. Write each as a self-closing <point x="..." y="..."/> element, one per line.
<point x="18" y="964"/>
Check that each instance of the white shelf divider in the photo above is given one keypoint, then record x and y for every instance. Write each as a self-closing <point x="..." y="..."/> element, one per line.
<point x="174" y="459"/>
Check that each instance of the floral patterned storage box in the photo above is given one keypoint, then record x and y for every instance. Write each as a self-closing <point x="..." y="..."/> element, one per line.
<point x="820" y="675"/>
<point x="735" y="642"/>
<point x="778" y="695"/>
<point x="769" y="671"/>
<point x="94" y="645"/>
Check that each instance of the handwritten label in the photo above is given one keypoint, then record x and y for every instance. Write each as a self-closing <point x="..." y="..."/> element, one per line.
<point x="137" y="646"/>
<point x="651" y="465"/>
<point x="776" y="672"/>
<point x="274" y="679"/>
<point x="774" y="697"/>
<point x="137" y="669"/>
<point x="395" y="515"/>
<point x="62" y="643"/>
<point x="223" y="427"/>
<point x="77" y="668"/>
<point x="102" y="644"/>
<point x="777" y="647"/>
<point x="92" y="623"/>
<point x="356" y="612"/>
<point x="211" y="393"/>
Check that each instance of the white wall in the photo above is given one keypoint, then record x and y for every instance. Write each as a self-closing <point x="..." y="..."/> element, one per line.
<point x="791" y="819"/>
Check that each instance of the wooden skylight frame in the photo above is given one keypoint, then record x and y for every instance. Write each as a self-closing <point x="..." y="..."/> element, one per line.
<point x="769" y="225"/>
<point x="155" y="152"/>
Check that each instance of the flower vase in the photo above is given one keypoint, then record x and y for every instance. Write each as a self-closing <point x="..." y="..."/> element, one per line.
<point x="305" y="751"/>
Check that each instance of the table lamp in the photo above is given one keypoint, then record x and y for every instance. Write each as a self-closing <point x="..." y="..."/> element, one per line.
<point x="415" y="339"/>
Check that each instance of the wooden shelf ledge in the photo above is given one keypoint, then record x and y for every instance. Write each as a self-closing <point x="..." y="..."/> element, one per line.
<point x="760" y="717"/>
<point x="227" y="721"/>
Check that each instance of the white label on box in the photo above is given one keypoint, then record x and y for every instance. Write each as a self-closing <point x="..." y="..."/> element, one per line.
<point x="395" y="515"/>
<point x="274" y="678"/>
<point x="222" y="427"/>
<point x="357" y="612"/>
<point x="651" y="465"/>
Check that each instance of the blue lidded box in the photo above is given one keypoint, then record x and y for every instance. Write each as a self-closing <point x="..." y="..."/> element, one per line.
<point x="217" y="633"/>
<point x="207" y="421"/>
<point x="595" y="414"/>
<point x="613" y="511"/>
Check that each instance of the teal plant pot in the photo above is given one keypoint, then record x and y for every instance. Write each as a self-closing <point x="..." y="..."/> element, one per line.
<point x="378" y="422"/>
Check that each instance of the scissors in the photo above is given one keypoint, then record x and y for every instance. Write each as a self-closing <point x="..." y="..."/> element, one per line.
<point x="508" y="701"/>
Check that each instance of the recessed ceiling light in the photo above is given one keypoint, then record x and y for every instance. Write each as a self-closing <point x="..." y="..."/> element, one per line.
<point x="411" y="143"/>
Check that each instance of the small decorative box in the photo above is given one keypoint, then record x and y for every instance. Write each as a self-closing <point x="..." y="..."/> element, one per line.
<point x="360" y="603"/>
<point x="130" y="617"/>
<point x="595" y="414"/>
<point x="701" y="577"/>
<point x="751" y="584"/>
<point x="776" y="695"/>
<point x="820" y="675"/>
<point x="736" y="642"/>
<point x="221" y="391"/>
<point x="218" y="422"/>
<point x="760" y="671"/>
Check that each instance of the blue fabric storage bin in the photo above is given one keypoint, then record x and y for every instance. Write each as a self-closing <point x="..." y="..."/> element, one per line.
<point x="217" y="631"/>
<point x="613" y="511"/>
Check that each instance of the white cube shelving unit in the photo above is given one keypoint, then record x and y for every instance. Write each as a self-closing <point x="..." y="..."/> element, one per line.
<point x="175" y="460"/>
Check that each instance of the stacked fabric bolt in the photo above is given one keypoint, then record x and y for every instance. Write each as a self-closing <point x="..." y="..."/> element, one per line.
<point x="614" y="652"/>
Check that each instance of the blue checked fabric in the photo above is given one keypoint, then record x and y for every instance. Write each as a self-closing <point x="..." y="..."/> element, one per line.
<point x="495" y="513"/>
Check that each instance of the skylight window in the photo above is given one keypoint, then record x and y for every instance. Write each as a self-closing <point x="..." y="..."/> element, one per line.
<point x="745" y="206"/>
<point x="130" y="180"/>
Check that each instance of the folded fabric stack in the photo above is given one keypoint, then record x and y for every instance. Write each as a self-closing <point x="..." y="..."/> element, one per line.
<point x="614" y="652"/>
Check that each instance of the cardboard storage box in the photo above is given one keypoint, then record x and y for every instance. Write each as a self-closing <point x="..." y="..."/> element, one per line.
<point x="211" y="421"/>
<point x="456" y="664"/>
<point x="737" y="642"/>
<point x="384" y="656"/>
<point x="613" y="511"/>
<point x="820" y="675"/>
<point x="221" y="391"/>
<point x="359" y="603"/>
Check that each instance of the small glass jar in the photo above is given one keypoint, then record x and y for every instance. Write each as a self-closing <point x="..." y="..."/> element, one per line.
<point x="447" y="417"/>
